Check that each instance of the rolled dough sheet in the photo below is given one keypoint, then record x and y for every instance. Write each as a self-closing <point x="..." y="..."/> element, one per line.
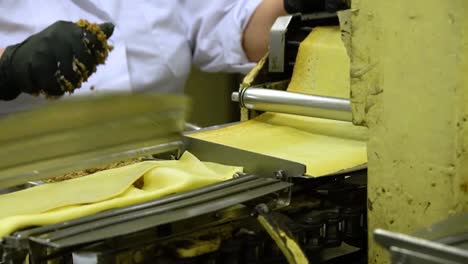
<point x="322" y="65"/>
<point x="160" y="178"/>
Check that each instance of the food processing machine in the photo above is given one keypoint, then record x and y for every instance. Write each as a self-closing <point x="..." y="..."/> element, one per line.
<point x="273" y="212"/>
<point x="214" y="222"/>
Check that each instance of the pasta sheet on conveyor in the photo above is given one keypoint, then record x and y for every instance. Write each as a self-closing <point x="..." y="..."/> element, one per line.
<point x="60" y="201"/>
<point x="324" y="146"/>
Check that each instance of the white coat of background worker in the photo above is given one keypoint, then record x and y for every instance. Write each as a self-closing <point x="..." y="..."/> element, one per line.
<point x="155" y="42"/>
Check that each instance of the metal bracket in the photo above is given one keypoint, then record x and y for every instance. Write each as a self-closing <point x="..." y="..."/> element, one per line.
<point x="277" y="43"/>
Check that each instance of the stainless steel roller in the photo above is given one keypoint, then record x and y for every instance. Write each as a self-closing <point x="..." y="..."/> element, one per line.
<point x="293" y="103"/>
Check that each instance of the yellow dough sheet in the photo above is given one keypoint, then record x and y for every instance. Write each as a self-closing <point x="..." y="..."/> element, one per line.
<point x="324" y="146"/>
<point x="56" y="202"/>
<point x="322" y="65"/>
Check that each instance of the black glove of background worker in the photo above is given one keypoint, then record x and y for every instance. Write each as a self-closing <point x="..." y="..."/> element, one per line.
<point x="314" y="6"/>
<point x="55" y="60"/>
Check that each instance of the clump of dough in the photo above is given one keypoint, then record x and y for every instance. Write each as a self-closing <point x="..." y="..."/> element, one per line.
<point x="78" y="174"/>
<point x="97" y="31"/>
<point x="79" y="68"/>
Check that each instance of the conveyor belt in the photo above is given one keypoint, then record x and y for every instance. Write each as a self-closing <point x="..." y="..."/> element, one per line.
<point x="127" y="220"/>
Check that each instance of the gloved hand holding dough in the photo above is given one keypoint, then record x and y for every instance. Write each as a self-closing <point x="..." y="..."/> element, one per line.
<point x="54" y="61"/>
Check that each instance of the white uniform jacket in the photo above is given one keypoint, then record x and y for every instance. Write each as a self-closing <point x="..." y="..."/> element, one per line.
<point x="155" y="41"/>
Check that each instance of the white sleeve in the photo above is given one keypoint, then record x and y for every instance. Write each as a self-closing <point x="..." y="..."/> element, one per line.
<point x="215" y="30"/>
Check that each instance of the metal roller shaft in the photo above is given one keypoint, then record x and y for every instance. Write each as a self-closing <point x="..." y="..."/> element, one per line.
<point x="294" y="103"/>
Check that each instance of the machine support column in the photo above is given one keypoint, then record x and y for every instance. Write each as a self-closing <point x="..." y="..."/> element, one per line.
<point x="409" y="85"/>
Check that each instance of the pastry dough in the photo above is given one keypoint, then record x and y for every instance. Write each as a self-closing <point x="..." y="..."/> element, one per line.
<point x="322" y="65"/>
<point x="57" y="202"/>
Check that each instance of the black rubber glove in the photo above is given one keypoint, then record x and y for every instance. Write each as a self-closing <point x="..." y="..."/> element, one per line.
<point x="55" y="60"/>
<point x="314" y="6"/>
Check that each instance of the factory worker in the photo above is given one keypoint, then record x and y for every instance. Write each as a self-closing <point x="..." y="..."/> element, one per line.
<point x="154" y="42"/>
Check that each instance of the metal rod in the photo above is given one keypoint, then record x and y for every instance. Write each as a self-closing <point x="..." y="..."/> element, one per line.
<point x="396" y="241"/>
<point x="125" y="210"/>
<point x="256" y="183"/>
<point x="191" y="127"/>
<point x="293" y="103"/>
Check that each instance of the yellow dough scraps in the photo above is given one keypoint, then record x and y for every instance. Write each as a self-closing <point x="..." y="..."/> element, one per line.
<point x="56" y="202"/>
